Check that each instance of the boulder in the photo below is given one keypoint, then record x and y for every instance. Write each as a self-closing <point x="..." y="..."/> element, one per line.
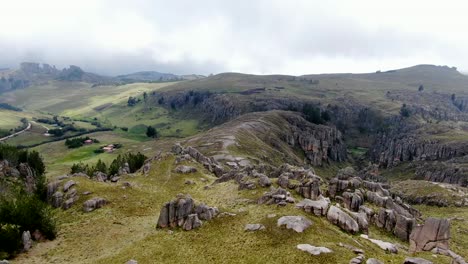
<point x="386" y="219"/>
<point x="132" y="261"/>
<point x="100" y="176"/>
<point x="275" y="196"/>
<point x="52" y="187"/>
<point x="205" y="212"/>
<point x="435" y="233"/>
<point x="115" y="179"/>
<point x="296" y="223"/>
<point x="68" y="185"/>
<point x="191" y="222"/>
<point x="353" y="201"/>
<point x="185" y="169"/>
<point x="283" y="181"/>
<point x="313" y="250"/>
<point x="387" y="246"/>
<point x="416" y="261"/>
<point x="403" y="227"/>
<point x="57" y="199"/>
<point x="374" y="261"/>
<point x="27" y="241"/>
<point x="342" y="219"/>
<point x="254" y="227"/>
<point x="93" y="204"/>
<point x="357" y="260"/>
<point x="310" y="188"/>
<point x="318" y="207"/>
<point x="264" y="181"/>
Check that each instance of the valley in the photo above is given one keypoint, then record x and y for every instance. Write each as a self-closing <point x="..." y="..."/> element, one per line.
<point x="373" y="146"/>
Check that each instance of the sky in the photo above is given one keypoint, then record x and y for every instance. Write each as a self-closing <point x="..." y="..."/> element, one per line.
<point x="252" y="36"/>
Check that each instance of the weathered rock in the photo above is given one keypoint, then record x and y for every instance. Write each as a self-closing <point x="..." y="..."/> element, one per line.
<point x="185" y="169"/>
<point x="368" y="211"/>
<point x="191" y="222"/>
<point x="283" y="181"/>
<point x="254" y="227"/>
<point x="386" y="219"/>
<point x="403" y="227"/>
<point x="310" y="188"/>
<point x="435" y="233"/>
<point x="57" y="199"/>
<point x="93" y="204"/>
<point x="264" y="181"/>
<point x="27" y="241"/>
<point x="52" y="187"/>
<point x="296" y="223"/>
<point x="313" y="250"/>
<point x="342" y="219"/>
<point x="387" y="246"/>
<point x="416" y="261"/>
<point x="374" y="261"/>
<point x="115" y="179"/>
<point x="100" y="176"/>
<point x="68" y="185"/>
<point x="189" y="182"/>
<point x="205" y="212"/>
<point x="318" y="207"/>
<point x="361" y="219"/>
<point x="456" y="259"/>
<point x="353" y="201"/>
<point x="275" y="196"/>
<point x="352" y="248"/>
<point x="357" y="260"/>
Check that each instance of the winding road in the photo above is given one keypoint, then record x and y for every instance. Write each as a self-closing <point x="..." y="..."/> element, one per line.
<point x="17" y="133"/>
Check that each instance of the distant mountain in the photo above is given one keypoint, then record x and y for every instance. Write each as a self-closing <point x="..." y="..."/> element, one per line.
<point x="148" y="76"/>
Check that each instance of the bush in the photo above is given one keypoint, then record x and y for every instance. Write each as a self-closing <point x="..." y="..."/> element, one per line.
<point x="20" y="213"/>
<point x="312" y="114"/>
<point x="404" y="111"/>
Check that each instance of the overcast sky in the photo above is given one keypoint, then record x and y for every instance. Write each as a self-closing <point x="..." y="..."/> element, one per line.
<point x="262" y="37"/>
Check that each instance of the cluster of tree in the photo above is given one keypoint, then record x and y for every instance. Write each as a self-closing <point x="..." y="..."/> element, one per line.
<point x="314" y="114"/>
<point x="22" y="211"/>
<point x="151" y="132"/>
<point x="78" y="142"/>
<point x="405" y="111"/>
<point x="134" y="161"/>
<point x="132" y="101"/>
<point x="54" y="121"/>
<point x="10" y="107"/>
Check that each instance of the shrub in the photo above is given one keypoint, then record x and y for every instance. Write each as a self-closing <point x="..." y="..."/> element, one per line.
<point x="404" y="111"/>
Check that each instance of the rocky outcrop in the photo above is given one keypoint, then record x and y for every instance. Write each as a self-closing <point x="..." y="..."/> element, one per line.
<point x="416" y="261"/>
<point x="435" y="233"/>
<point x="276" y="196"/>
<point x="183" y="212"/>
<point x="185" y="169"/>
<point x="93" y="204"/>
<point x="254" y="227"/>
<point x="387" y="246"/>
<point x="342" y="219"/>
<point x="318" y="207"/>
<point x="446" y="172"/>
<point x="313" y="250"/>
<point x="296" y="223"/>
<point x="59" y="199"/>
<point x="208" y="162"/>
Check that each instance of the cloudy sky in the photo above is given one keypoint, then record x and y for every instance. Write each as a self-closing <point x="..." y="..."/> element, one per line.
<point x="265" y="36"/>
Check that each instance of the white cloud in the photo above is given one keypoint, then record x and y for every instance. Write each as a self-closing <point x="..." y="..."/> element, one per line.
<point x="263" y="36"/>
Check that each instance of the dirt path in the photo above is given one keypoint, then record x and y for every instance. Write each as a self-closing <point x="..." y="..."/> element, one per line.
<point x="17" y="133"/>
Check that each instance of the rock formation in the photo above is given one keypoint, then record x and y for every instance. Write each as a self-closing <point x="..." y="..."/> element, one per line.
<point x="435" y="233"/>
<point x="183" y="212"/>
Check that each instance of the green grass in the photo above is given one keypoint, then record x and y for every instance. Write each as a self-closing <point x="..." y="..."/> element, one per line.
<point x="125" y="228"/>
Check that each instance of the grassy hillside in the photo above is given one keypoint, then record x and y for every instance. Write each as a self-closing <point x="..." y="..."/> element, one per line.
<point x="126" y="227"/>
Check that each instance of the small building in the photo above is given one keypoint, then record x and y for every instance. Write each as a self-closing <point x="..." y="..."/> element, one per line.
<point x="88" y="141"/>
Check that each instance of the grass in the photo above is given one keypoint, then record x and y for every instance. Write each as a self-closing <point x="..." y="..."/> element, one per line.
<point x="125" y="228"/>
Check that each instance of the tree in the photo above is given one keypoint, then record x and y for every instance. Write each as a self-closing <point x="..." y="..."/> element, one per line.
<point x="312" y="114"/>
<point x="404" y="111"/>
<point x="421" y="88"/>
<point x="100" y="166"/>
<point x="151" y="132"/>
<point x="453" y="97"/>
<point x="145" y="96"/>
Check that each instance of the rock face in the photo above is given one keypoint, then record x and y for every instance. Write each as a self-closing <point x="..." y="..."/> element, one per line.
<point x="182" y="212"/>
<point x="296" y="223"/>
<point x="93" y="204"/>
<point x="313" y="250"/>
<point x="435" y="233"/>
<point x="342" y="219"/>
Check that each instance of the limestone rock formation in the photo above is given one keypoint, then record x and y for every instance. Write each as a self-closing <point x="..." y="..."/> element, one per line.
<point x="183" y="212"/>
<point x="313" y="250"/>
<point x="296" y="223"/>
<point x="185" y="169"/>
<point x="318" y="207"/>
<point x="276" y="196"/>
<point x="342" y="219"/>
<point x="435" y="233"/>
<point x="93" y="204"/>
<point x="387" y="246"/>
<point x="416" y="261"/>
